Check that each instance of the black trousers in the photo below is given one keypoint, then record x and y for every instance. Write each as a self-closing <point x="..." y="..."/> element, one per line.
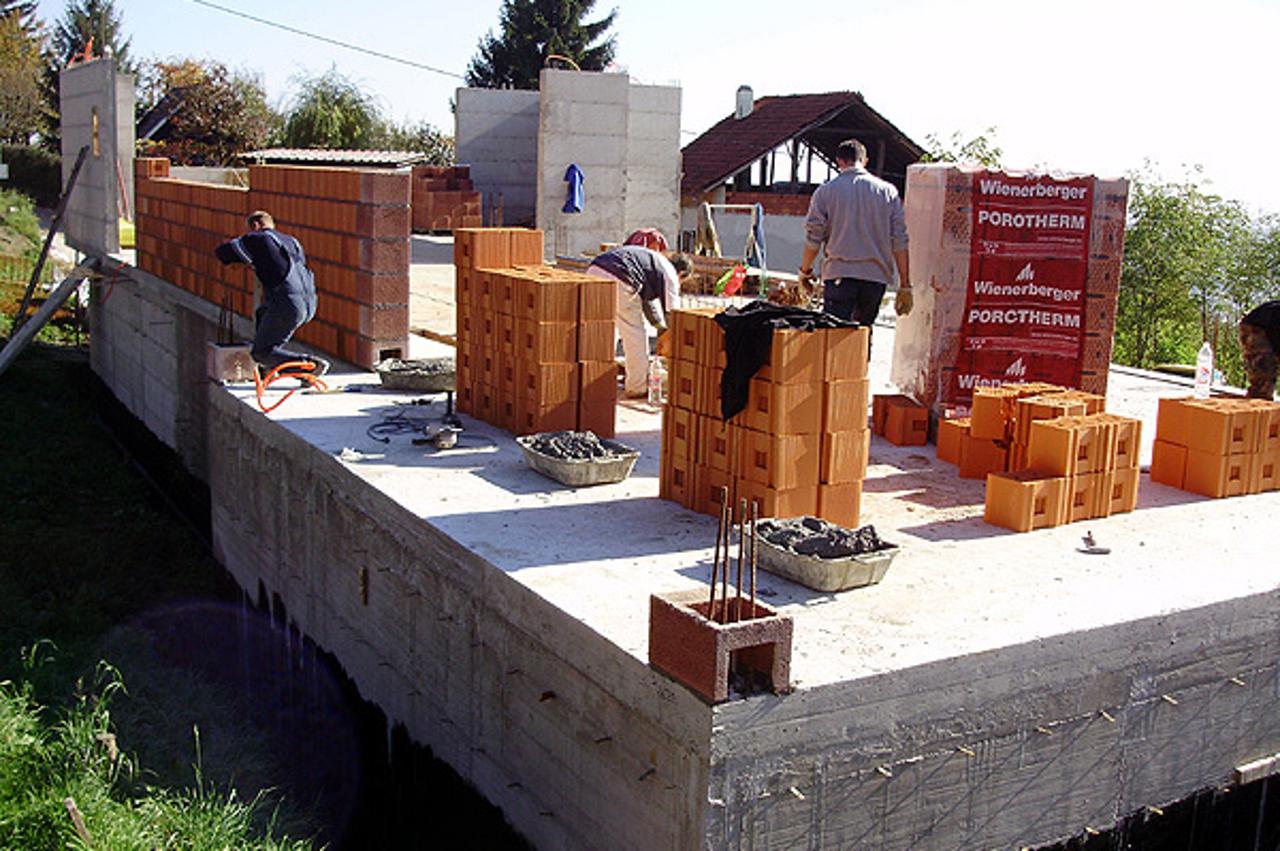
<point x="855" y="299"/>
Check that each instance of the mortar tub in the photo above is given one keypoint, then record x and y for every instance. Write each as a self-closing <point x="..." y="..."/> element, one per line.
<point x="581" y="472"/>
<point x="424" y="375"/>
<point x="826" y="574"/>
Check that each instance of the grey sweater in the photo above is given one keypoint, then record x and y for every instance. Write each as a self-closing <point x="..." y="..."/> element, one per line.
<point x="859" y="219"/>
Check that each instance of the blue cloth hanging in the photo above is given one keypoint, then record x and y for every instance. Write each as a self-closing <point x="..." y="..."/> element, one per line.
<point x="573" y="199"/>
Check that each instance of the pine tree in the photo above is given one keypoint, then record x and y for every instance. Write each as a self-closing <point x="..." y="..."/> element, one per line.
<point x="85" y="19"/>
<point x="26" y="12"/>
<point x="533" y="30"/>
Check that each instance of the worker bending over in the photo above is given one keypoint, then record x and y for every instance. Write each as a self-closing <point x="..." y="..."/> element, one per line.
<point x="288" y="289"/>
<point x="648" y="288"/>
<point x="1260" y="341"/>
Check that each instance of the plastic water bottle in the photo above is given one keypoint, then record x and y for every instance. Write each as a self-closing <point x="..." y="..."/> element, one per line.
<point x="1204" y="371"/>
<point x="657" y="380"/>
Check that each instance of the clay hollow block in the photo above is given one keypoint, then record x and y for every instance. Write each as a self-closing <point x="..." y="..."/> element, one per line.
<point x="906" y="424"/>
<point x="701" y="654"/>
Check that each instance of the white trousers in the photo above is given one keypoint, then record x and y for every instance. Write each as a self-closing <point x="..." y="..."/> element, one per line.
<point x="628" y="319"/>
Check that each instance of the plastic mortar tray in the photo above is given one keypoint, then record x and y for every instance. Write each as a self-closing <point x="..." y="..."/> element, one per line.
<point x="579" y="472"/>
<point x="826" y="574"/>
<point x="425" y="375"/>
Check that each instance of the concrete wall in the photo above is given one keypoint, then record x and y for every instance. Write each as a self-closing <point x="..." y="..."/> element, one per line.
<point x="1013" y="748"/>
<point x="92" y="90"/>
<point x="626" y="140"/>
<point x="496" y="134"/>
<point x="579" y="742"/>
<point x="148" y="346"/>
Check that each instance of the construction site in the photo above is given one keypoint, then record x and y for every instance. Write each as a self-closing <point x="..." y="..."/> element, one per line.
<point x="1064" y="619"/>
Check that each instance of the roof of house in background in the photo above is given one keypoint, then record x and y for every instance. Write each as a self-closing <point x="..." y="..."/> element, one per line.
<point x="318" y="156"/>
<point x="821" y="120"/>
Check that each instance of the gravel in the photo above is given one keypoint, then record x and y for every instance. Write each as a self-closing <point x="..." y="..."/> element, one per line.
<point x="576" y="445"/>
<point x="812" y="536"/>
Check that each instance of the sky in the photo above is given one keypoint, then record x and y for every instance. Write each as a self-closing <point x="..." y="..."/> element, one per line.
<point x="1105" y="87"/>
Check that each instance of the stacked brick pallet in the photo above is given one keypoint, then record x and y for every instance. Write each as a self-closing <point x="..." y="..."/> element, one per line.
<point x="800" y="445"/>
<point x="353" y="224"/>
<point x="535" y="344"/>
<point x="444" y="199"/>
<point x="1078" y="468"/>
<point x="940" y="204"/>
<point x="1217" y="447"/>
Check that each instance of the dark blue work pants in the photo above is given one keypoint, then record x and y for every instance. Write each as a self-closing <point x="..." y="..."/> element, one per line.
<point x="276" y="319"/>
<point x="855" y="299"/>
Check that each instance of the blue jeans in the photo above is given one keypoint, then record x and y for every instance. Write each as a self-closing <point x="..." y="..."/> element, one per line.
<point x="276" y="320"/>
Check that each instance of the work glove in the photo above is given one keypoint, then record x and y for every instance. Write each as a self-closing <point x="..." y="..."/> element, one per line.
<point x="904" y="301"/>
<point x="805" y="279"/>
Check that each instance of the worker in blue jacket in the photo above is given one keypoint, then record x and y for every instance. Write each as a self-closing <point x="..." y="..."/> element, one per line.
<point x="288" y="289"/>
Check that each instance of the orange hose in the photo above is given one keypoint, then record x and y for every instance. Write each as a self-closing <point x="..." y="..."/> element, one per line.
<point x="298" y="369"/>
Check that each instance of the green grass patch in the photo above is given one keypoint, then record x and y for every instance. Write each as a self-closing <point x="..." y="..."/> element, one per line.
<point x="65" y="783"/>
<point x="92" y="552"/>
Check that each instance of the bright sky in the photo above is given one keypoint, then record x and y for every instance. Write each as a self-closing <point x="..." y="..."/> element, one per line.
<point x="1093" y="86"/>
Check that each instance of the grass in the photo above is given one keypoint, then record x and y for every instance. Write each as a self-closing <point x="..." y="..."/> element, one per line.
<point x="54" y="764"/>
<point x="91" y="553"/>
<point x="20" y="242"/>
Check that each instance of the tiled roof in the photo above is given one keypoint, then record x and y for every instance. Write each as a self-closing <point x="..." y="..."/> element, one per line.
<point x="733" y="143"/>
<point x="318" y="156"/>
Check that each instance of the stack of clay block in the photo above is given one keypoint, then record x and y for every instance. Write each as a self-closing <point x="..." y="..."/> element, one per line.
<point x="1217" y="447"/>
<point x="899" y="419"/>
<point x="800" y="445"/>
<point x="939" y="212"/>
<point x="444" y="199"/>
<point x="353" y="225"/>
<point x="1078" y="468"/>
<point x="535" y="343"/>
<point x="996" y="437"/>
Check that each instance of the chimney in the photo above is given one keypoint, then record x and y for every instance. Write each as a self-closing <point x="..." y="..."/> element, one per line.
<point x="745" y="101"/>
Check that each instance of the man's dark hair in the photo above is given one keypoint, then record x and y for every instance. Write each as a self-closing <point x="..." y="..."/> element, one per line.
<point x="261" y="217"/>
<point x="681" y="264"/>
<point x="851" y="151"/>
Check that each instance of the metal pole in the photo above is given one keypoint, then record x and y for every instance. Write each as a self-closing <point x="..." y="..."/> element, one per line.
<point x="58" y="212"/>
<point x="742" y="543"/>
<point x="715" y="563"/>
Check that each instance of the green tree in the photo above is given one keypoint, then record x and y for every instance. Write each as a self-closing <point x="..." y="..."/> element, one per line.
<point x="23" y="108"/>
<point x="981" y="149"/>
<point x="1194" y="263"/>
<point x="86" y="19"/>
<point x="531" y="32"/>
<point x="222" y="114"/>
<point x="25" y="12"/>
<point x="330" y="111"/>
<point x="422" y="138"/>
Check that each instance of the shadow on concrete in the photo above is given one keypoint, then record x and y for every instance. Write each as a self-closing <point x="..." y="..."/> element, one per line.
<point x="432" y="250"/>
<point x="629" y="529"/>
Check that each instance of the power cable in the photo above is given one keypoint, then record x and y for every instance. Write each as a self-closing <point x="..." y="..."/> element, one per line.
<point x="328" y="40"/>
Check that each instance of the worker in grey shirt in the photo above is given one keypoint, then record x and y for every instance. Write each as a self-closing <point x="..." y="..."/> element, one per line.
<point x="857" y="219"/>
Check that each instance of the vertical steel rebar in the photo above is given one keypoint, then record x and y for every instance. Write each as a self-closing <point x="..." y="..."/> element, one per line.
<point x="742" y="543"/>
<point x="715" y="563"/>
<point x="755" y="543"/>
<point x="727" y="519"/>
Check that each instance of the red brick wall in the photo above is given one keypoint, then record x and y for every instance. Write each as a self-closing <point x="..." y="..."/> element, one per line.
<point x="774" y="204"/>
<point x="353" y="224"/>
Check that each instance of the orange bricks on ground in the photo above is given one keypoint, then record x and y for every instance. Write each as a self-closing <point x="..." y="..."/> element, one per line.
<point x="1023" y="500"/>
<point x="980" y="456"/>
<point x="1094" y="455"/>
<point x="1217" y="447"/>
<point x="900" y="420"/>
<point x="950" y="433"/>
<point x="800" y="444"/>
